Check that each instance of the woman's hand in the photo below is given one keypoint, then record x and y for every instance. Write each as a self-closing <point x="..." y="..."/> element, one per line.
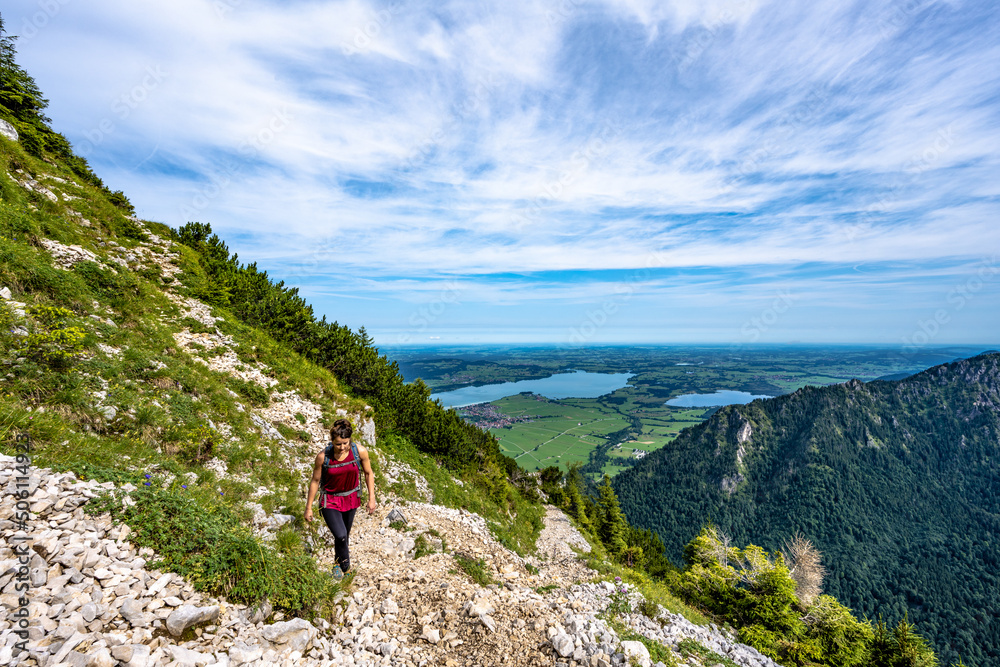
<point x="309" y="514"/>
<point x="372" y="505"/>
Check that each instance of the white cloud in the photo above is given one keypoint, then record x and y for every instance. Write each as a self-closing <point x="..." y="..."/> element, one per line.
<point x="475" y="139"/>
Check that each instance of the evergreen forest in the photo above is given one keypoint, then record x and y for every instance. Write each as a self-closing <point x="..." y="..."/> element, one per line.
<point x="897" y="483"/>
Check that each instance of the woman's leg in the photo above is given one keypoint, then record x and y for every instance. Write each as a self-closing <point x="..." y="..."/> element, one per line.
<point x="339" y="524"/>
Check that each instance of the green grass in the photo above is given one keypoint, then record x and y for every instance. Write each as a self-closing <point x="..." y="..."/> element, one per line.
<point x="517" y="529"/>
<point x="561" y="433"/>
<point x="475" y="568"/>
<point x="690" y="648"/>
<point x="205" y="541"/>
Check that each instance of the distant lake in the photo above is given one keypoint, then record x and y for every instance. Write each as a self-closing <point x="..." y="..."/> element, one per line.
<point x="720" y="397"/>
<point x="578" y="384"/>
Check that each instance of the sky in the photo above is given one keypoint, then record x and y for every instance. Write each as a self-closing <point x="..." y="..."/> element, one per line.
<point x="574" y="173"/>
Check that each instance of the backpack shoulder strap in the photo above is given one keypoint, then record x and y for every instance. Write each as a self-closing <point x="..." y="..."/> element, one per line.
<point x="357" y="460"/>
<point x="326" y="457"/>
<point x="323" y="473"/>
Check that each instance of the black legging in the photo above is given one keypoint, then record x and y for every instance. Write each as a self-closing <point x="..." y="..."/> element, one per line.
<point x="339" y="524"/>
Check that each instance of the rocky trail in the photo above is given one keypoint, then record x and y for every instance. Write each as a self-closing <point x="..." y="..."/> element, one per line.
<point x="93" y="602"/>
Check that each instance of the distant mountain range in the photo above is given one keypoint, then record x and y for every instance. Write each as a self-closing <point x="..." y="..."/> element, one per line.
<point x="896" y="482"/>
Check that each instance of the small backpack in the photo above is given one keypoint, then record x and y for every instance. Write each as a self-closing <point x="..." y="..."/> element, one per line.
<point x="327" y="458"/>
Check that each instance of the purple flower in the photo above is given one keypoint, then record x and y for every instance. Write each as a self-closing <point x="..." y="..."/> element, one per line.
<point x="147" y="475"/>
<point x="148" y="484"/>
<point x="184" y="486"/>
<point x="616" y="578"/>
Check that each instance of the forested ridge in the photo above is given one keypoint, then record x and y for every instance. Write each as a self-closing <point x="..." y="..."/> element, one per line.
<point x="897" y="483"/>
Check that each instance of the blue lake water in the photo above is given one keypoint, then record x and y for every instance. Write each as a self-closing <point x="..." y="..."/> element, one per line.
<point x="578" y="384"/>
<point x="720" y="397"/>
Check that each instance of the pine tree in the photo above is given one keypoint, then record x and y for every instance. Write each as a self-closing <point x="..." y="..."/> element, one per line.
<point x="611" y="525"/>
<point x="576" y="503"/>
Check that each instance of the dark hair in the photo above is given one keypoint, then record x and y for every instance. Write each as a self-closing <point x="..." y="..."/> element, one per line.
<point x="341" y="429"/>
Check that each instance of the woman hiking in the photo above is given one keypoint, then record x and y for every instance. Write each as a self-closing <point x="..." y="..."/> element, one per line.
<point x="340" y="483"/>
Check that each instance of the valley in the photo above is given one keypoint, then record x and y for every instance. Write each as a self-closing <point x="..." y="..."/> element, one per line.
<point x="609" y="433"/>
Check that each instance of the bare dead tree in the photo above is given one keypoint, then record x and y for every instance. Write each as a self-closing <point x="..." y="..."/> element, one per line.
<point x="806" y="568"/>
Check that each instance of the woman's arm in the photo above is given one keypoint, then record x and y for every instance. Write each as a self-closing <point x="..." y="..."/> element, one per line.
<point x="314" y="485"/>
<point x="366" y="464"/>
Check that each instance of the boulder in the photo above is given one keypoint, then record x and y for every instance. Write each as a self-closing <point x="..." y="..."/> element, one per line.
<point x="241" y="654"/>
<point x="100" y="658"/>
<point x="140" y="657"/>
<point x="294" y="635"/>
<point x="564" y="645"/>
<point x="637" y="650"/>
<point x="132" y="611"/>
<point x="257" y="614"/>
<point x="188" y="656"/>
<point x="187" y="615"/>
<point x="488" y="621"/>
<point x="7" y="130"/>
<point x="432" y="635"/>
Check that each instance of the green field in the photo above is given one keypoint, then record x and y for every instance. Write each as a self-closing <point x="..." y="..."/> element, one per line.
<point x="562" y="431"/>
<point x="603" y="433"/>
<point x="571" y="430"/>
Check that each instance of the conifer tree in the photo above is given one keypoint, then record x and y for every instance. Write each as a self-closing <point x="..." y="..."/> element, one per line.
<point x="576" y="503"/>
<point x="611" y="527"/>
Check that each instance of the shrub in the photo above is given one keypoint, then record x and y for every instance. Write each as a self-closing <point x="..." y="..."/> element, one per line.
<point x="207" y="543"/>
<point x="200" y="445"/>
<point x="474" y="567"/>
<point x="52" y="342"/>
<point x="251" y="391"/>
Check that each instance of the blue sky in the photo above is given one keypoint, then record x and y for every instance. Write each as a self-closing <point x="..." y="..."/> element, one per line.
<point x="571" y="172"/>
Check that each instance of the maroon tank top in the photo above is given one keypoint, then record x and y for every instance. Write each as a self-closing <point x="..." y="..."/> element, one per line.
<point x="341" y="478"/>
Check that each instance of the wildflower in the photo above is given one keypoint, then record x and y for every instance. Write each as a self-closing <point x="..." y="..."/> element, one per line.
<point x="147" y="475"/>
<point x="617" y="579"/>
<point x="184" y="486"/>
<point x="148" y="483"/>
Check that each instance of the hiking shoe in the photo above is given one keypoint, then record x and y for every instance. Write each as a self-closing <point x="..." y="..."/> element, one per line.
<point x="336" y="573"/>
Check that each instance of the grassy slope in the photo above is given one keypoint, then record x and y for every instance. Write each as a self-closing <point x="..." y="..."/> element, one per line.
<point x="166" y="399"/>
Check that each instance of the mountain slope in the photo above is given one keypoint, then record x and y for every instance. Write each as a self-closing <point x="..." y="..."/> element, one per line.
<point x="897" y="483"/>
